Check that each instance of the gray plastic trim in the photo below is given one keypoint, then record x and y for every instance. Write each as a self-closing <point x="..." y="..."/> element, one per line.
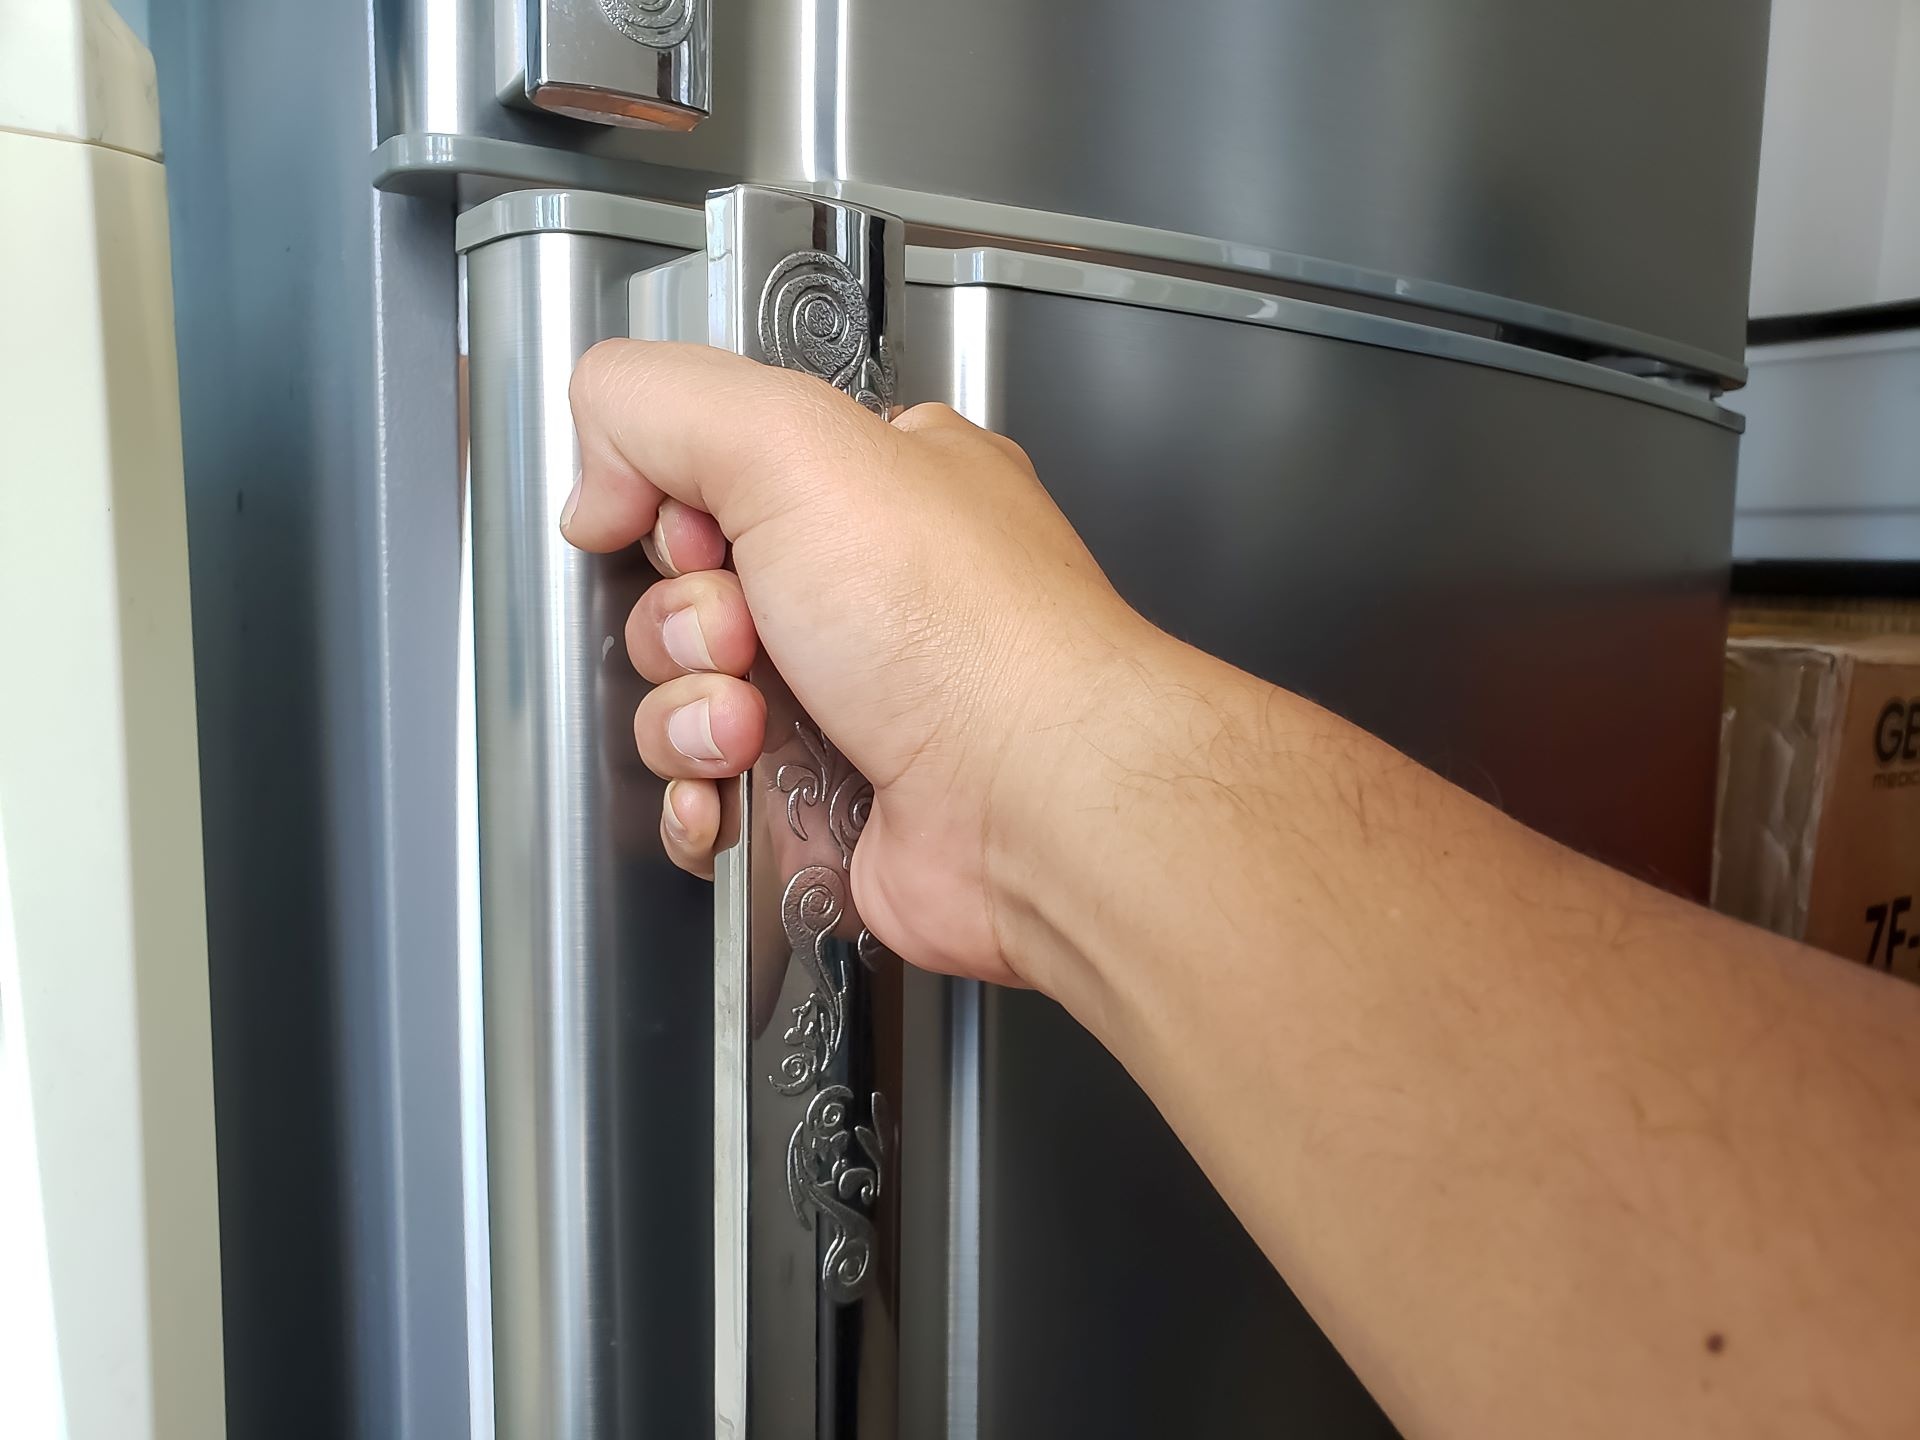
<point x="430" y="162"/>
<point x="580" y="212"/>
<point x="403" y="161"/>
<point x="524" y="212"/>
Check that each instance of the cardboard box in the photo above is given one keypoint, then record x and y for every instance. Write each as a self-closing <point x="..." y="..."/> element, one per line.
<point x="1824" y="617"/>
<point x="1819" y="829"/>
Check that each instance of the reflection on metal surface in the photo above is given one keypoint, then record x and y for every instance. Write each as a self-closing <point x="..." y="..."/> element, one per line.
<point x="660" y="24"/>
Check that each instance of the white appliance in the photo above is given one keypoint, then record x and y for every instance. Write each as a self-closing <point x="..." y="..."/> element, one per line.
<point x="110" y="1317"/>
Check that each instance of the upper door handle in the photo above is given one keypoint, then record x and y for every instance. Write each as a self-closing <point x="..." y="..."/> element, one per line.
<point x="643" y="63"/>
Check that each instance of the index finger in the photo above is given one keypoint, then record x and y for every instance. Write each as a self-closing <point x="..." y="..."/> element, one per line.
<point x="705" y="426"/>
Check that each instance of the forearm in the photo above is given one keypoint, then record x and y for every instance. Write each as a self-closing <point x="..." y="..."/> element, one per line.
<point x="1548" y="1153"/>
<point x="1479" y="1098"/>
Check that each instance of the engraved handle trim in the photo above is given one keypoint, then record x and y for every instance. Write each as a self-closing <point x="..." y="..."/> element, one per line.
<point x="807" y="1003"/>
<point x="642" y="63"/>
<point x="657" y="24"/>
<point x="814" y="318"/>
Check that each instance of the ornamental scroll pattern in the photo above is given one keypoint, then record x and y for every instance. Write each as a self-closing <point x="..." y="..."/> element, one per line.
<point x="815" y="318"/>
<point x="822" y="1180"/>
<point x="810" y="908"/>
<point x="657" y="24"/>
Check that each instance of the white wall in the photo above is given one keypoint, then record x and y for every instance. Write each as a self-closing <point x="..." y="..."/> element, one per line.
<point x="134" y="12"/>
<point x="1828" y="468"/>
<point x="1838" y="224"/>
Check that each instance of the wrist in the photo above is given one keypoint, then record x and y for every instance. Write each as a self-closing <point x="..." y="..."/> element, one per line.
<point x="1118" y="762"/>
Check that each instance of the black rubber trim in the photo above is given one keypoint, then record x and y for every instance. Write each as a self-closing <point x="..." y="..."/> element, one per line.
<point x="1834" y="324"/>
<point x="1857" y="579"/>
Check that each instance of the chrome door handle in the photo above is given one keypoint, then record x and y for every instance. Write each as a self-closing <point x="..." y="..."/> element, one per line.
<point x="807" y="1006"/>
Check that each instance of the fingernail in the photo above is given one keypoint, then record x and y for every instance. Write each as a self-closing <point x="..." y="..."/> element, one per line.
<point x="573" y="503"/>
<point x="690" y="730"/>
<point x="654" y="547"/>
<point x="670" y="817"/>
<point x="687" y="645"/>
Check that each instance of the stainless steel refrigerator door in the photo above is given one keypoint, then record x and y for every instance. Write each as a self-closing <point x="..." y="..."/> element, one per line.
<point x="1510" y="564"/>
<point x="808" y="1008"/>
<point x="1581" y="170"/>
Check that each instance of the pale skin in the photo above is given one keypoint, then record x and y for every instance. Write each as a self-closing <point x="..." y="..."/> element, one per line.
<point x="1544" y="1150"/>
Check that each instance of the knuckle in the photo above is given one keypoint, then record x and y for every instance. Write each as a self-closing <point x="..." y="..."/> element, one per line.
<point x="810" y="415"/>
<point x="1012" y="449"/>
<point x="590" y="374"/>
<point x="806" y="408"/>
<point x="929" y="415"/>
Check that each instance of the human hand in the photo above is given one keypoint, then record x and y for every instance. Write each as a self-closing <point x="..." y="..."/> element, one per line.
<point x="912" y="582"/>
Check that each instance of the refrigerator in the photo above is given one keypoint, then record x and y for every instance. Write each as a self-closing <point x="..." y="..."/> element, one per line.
<point x="1377" y="348"/>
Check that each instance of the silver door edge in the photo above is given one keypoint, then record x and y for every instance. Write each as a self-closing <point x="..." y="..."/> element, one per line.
<point x="405" y="156"/>
<point x="527" y="211"/>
